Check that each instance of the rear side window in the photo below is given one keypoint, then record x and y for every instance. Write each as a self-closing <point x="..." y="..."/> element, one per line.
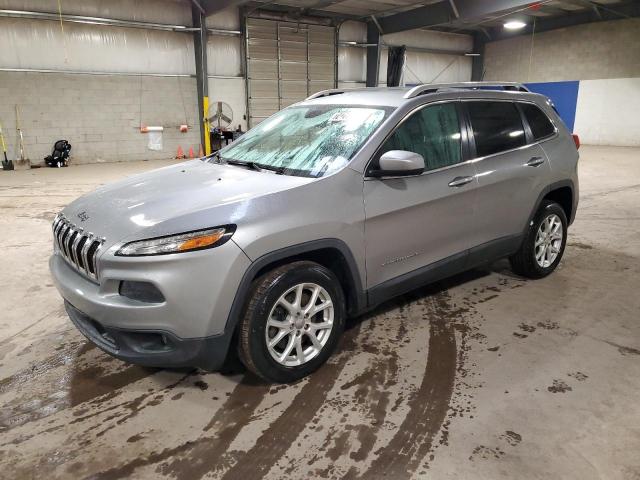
<point x="433" y="132"/>
<point x="496" y="127"/>
<point x="539" y="123"/>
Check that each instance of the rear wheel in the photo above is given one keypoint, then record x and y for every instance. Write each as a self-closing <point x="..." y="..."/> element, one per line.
<point x="292" y="321"/>
<point x="543" y="245"/>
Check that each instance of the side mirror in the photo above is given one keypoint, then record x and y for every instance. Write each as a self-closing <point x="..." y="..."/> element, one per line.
<point x="399" y="163"/>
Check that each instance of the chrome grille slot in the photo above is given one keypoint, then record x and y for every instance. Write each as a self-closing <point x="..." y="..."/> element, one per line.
<point x="79" y="248"/>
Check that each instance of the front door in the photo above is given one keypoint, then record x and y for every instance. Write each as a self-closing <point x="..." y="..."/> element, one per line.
<point x="414" y="222"/>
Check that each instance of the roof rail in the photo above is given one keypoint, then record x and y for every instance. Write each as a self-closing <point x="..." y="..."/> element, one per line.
<point x="435" y="87"/>
<point x="326" y="93"/>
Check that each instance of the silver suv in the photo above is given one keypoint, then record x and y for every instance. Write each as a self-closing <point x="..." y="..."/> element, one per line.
<point x="322" y="211"/>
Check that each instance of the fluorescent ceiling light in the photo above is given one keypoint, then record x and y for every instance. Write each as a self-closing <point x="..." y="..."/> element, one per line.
<point x="514" y="25"/>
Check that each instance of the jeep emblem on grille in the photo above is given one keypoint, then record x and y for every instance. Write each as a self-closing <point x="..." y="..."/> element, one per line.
<point x="83" y="216"/>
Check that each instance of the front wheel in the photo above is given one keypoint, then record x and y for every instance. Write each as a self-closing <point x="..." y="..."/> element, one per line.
<point x="544" y="243"/>
<point x="292" y="322"/>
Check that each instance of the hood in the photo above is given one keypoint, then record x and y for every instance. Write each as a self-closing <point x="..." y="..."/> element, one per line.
<point x="178" y="198"/>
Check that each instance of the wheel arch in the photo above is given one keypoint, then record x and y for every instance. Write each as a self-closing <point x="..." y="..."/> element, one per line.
<point x="561" y="192"/>
<point x="563" y="196"/>
<point x="331" y="253"/>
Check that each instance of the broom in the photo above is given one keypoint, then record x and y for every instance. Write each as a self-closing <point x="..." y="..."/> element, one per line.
<point x="6" y="164"/>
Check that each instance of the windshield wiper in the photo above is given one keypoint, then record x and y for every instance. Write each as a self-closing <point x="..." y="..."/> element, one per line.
<point x="251" y="165"/>
<point x="272" y="168"/>
<point x="258" y="167"/>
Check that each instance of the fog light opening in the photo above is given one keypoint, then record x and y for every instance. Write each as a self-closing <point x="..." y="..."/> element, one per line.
<point x="141" y="291"/>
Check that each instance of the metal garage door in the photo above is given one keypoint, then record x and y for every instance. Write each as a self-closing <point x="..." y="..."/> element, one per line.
<point x="286" y="62"/>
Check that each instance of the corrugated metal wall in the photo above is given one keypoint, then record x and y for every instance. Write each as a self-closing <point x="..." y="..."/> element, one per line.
<point x="421" y="67"/>
<point x="156" y="11"/>
<point x="42" y="44"/>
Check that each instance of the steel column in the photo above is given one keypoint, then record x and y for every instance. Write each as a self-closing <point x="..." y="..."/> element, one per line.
<point x="373" y="54"/>
<point x="477" y="65"/>
<point x="202" y="81"/>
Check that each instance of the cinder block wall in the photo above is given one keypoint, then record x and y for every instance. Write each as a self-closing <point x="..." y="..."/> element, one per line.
<point x="603" y="56"/>
<point x="99" y="114"/>
<point x="584" y="52"/>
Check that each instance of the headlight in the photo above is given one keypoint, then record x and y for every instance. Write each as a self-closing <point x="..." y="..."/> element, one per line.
<point x="182" y="242"/>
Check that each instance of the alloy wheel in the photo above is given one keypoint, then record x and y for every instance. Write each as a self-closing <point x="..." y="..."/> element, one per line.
<point x="299" y="324"/>
<point x="548" y="240"/>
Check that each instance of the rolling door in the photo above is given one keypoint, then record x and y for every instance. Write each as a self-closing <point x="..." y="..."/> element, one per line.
<point x="286" y="62"/>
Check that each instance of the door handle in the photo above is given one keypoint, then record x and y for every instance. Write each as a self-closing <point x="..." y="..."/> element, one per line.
<point x="460" y="181"/>
<point x="535" y="161"/>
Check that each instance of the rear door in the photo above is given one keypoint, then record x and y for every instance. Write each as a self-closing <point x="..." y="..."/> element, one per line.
<point x="511" y="170"/>
<point x="412" y="222"/>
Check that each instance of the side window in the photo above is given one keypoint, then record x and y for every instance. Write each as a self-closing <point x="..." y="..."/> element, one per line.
<point x="496" y="127"/>
<point x="539" y="123"/>
<point x="433" y="132"/>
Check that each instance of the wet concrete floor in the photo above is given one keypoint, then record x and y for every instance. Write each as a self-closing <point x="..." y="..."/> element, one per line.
<point x="485" y="375"/>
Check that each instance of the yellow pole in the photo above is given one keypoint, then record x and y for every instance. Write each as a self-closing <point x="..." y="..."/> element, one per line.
<point x="207" y="136"/>
<point x="4" y="147"/>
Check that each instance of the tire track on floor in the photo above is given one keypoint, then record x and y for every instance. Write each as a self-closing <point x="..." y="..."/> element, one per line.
<point x="428" y="406"/>
<point x="276" y="440"/>
<point x="194" y="458"/>
<point x="359" y="406"/>
<point x="77" y="386"/>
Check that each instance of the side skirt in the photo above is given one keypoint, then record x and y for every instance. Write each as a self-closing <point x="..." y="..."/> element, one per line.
<point x="458" y="263"/>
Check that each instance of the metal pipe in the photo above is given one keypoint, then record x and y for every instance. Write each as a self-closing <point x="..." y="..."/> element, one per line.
<point x="410" y="49"/>
<point x="122" y="74"/>
<point x="111" y="22"/>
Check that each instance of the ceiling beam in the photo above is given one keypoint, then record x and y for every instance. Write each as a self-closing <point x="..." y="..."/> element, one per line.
<point x="214" y="6"/>
<point x="426" y="16"/>
<point x="300" y="11"/>
<point x="627" y="10"/>
<point x="443" y="12"/>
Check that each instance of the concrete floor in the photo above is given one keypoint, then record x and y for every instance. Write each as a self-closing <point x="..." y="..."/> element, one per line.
<point x="483" y="376"/>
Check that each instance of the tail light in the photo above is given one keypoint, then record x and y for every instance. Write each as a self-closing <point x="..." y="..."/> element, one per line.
<point x="576" y="140"/>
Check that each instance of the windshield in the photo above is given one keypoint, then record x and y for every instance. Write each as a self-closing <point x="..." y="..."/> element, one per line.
<point x="309" y="141"/>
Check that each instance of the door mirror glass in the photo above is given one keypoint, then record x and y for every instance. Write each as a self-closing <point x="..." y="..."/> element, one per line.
<point x="399" y="163"/>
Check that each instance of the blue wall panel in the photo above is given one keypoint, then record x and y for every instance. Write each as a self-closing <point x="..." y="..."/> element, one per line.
<point x="564" y="96"/>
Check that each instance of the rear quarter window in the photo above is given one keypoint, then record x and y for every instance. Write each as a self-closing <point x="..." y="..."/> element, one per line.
<point x="539" y="123"/>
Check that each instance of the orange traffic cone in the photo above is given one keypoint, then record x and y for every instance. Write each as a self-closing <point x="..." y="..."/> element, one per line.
<point x="191" y="152"/>
<point x="180" y="153"/>
<point x="200" y="152"/>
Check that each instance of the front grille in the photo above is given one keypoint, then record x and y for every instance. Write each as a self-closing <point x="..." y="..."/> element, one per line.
<point x="78" y="248"/>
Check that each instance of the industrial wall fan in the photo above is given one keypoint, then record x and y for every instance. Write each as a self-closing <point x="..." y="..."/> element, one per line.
<point x="220" y="115"/>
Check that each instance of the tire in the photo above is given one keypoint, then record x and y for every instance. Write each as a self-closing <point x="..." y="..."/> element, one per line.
<point x="527" y="261"/>
<point x="265" y="315"/>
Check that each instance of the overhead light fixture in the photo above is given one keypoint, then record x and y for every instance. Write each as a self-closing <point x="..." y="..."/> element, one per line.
<point x="514" y="25"/>
<point x="472" y="54"/>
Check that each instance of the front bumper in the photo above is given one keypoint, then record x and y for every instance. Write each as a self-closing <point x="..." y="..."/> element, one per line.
<point x="152" y="348"/>
<point x="198" y="289"/>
